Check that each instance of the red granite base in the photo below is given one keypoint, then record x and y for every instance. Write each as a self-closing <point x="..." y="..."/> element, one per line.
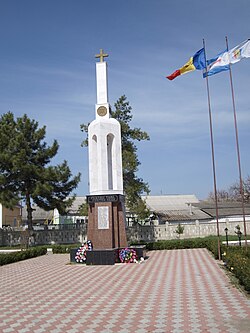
<point x="106" y="232"/>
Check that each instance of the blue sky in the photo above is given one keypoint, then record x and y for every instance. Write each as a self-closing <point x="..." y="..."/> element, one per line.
<point x="47" y="70"/>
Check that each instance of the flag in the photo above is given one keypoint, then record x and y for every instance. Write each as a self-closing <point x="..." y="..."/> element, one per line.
<point x="217" y="64"/>
<point x="239" y="52"/>
<point x="221" y="61"/>
<point x="195" y="62"/>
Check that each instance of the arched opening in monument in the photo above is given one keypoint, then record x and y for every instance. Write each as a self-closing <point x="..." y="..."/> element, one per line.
<point x="94" y="179"/>
<point x="110" y="156"/>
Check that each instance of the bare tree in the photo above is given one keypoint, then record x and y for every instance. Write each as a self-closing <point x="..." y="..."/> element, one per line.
<point x="222" y="196"/>
<point x="233" y="193"/>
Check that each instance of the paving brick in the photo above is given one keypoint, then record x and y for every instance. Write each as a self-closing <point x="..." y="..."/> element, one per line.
<point x="173" y="291"/>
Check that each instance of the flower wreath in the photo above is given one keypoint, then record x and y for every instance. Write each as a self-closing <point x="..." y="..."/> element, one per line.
<point x="81" y="253"/>
<point x="127" y="255"/>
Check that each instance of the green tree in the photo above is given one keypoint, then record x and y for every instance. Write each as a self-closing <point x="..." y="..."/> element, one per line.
<point x="24" y="170"/>
<point x="140" y="209"/>
<point x="179" y="230"/>
<point x="83" y="209"/>
<point x="134" y="186"/>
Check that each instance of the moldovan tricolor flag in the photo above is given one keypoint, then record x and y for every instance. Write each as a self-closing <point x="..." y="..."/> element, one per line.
<point x="195" y="62"/>
<point x="221" y="62"/>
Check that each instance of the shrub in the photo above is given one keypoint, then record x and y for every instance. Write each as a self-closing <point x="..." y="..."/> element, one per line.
<point x="64" y="248"/>
<point x="8" y="258"/>
<point x="211" y="243"/>
<point x="177" y="244"/>
<point x="237" y="260"/>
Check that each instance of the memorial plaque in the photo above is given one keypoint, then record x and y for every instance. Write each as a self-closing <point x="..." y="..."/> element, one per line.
<point x="91" y="199"/>
<point x="103" y="217"/>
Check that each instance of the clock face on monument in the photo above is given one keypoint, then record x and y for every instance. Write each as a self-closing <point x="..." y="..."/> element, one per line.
<point x="102" y="111"/>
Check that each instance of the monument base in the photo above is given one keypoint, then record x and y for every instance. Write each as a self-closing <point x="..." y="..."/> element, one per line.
<point x="106" y="221"/>
<point x="102" y="257"/>
<point x="106" y="256"/>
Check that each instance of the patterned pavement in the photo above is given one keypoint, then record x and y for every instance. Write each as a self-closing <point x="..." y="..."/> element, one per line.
<point x="173" y="291"/>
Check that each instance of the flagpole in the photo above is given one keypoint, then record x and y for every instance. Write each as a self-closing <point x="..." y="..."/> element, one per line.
<point x="213" y="158"/>
<point x="237" y="148"/>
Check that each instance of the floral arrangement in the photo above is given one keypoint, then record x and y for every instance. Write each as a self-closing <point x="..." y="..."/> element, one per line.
<point x="81" y="253"/>
<point x="127" y="255"/>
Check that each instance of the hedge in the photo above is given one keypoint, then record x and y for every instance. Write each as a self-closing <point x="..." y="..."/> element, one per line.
<point x="211" y="243"/>
<point x="8" y="258"/>
<point x="64" y="248"/>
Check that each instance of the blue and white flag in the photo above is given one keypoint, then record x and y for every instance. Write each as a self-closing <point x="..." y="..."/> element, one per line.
<point x="217" y="64"/>
<point x="221" y="62"/>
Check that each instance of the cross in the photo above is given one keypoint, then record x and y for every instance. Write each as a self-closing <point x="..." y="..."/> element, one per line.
<point x="101" y="55"/>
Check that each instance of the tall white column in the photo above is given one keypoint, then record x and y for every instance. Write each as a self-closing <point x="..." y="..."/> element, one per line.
<point x="102" y="82"/>
<point x="104" y="135"/>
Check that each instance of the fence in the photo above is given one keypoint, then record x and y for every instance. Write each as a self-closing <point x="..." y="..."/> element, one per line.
<point x="69" y="234"/>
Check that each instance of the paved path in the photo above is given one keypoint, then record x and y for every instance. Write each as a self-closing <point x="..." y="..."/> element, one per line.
<point x="173" y="291"/>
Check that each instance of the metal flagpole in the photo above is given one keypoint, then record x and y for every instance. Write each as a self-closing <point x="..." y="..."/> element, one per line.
<point x="213" y="159"/>
<point x="238" y="150"/>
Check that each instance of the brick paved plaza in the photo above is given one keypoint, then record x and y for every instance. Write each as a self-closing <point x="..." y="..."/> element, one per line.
<point x="172" y="291"/>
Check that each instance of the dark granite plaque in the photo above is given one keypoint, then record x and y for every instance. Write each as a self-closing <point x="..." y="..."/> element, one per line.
<point x="105" y="198"/>
<point x="102" y="257"/>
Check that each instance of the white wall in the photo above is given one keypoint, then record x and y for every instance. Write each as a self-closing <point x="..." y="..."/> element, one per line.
<point x="191" y="230"/>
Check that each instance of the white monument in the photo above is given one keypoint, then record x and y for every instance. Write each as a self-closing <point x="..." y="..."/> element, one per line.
<point x="104" y="135"/>
<point x="106" y="216"/>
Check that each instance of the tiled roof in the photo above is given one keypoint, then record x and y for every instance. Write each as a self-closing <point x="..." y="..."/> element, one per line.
<point x="183" y="215"/>
<point x="224" y="208"/>
<point x="169" y="202"/>
<point x="175" y="207"/>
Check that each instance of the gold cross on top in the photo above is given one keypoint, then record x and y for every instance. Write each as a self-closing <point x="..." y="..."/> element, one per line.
<point x="101" y="55"/>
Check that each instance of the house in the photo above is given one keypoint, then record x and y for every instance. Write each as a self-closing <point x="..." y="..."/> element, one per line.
<point x="10" y="217"/>
<point x="41" y="217"/>
<point x="229" y="212"/>
<point x="72" y="216"/>
<point x="174" y="209"/>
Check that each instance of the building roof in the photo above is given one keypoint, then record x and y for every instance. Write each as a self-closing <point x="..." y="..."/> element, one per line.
<point x="175" y="207"/>
<point x="169" y="202"/>
<point x="73" y="210"/>
<point x="38" y="214"/>
<point x="167" y="207"/>
<point x="227" y="208"/>
<point x="183" y="215"/>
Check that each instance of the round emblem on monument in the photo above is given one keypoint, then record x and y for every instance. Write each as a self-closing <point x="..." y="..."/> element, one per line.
<point x="102" y="111"/>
